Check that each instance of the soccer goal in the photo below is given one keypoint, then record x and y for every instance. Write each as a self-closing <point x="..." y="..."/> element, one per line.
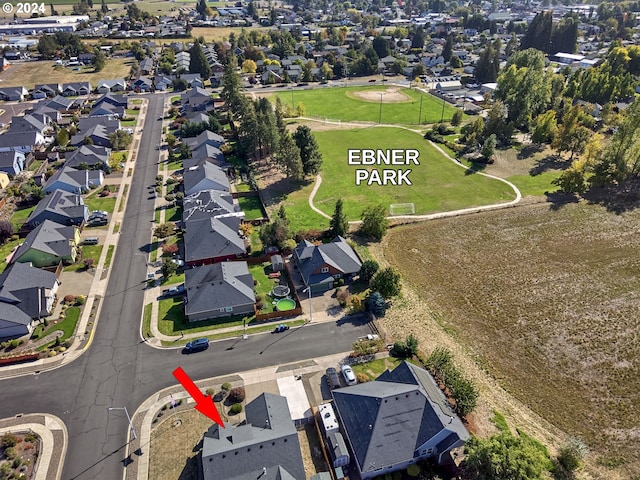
<point x="402" y="209"/>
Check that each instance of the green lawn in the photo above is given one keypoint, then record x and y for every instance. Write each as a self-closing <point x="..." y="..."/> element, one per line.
<point x="342" y="104"/>
<point x="535" y="184"/>
<point x="173" y="213"/>
<point x="132" y="111"/>
<point x="375" y="368"/>
<point x="251" y="207"/>
<point x="5" y="250"/>
<point x="107" y="261"/>
<point x="175" y="165"/>
<point x="146" y="321"/>
<point x="438" y="184"/>
<point x="171" y="319"/>
<point x="20" y="216"/>
<point x="128" y="123"/>
<point x="68" y="326"/>
<point x="265" y="284"/>
<point x="94" y="202"/>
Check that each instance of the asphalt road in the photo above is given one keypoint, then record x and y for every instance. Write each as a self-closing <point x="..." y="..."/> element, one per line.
<point x="120" y="370"/>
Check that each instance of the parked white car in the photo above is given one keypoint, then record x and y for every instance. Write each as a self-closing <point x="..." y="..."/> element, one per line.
<point x="349" y="376"/>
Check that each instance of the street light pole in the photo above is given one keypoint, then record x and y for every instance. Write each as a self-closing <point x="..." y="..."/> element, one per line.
<point x="131" y="427"/>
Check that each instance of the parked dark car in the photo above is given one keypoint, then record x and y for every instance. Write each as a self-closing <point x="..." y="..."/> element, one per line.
<point x="196" y="345"/>
<point x="333" y="378"/>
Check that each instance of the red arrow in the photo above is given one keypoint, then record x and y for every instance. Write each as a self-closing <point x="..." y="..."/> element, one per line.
<point x="204" y="403"/>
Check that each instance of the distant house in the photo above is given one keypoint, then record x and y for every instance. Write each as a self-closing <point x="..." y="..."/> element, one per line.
<point x="13" y="94"/>
<point x="61" y="207"/>
<point x="146" y="66"/>
<point x="196" y="99"/>
<point x="183" y="60"/>
<point x="111" y="123"/>
<point x="265" y="447"/>
<point x="26" y="294"/>
<point x="74" y="89"/>
<point x="162" y="82"/>
<point x="23" y="142"/>
<point x="46" y="90"/>
<point x="106" y="109"/>
<point x="207" y="153"/>
<point x="213" y="240"/>
<point x="11" y="162"/>
<point x="91" y="155"/>
<point x="72" y="180"/>
<point x="143" y="84"/>
<point x="321" y="265"/>
<point x="106" y="86"/>
<point x="204" y="177"/>
<point x="209" y="204"/>
<point x="396" y="420"/>
<point x="112" y="99"/>
<point x="218" y="290"/>
<point x="29" y="122"/>
<point x="60" y="104"/>
<point x="48" y="244"/>
<point x="192" y="79"/>
<point x="86" y="58"/>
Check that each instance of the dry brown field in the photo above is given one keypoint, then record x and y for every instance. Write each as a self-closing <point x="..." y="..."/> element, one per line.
<point x="545" y="300"/>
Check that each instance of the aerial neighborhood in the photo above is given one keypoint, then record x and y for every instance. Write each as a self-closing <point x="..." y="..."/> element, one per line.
<point x="194" y="276"/>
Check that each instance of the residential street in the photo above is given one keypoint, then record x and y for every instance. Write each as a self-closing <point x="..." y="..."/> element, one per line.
<point x="120" y="370"/>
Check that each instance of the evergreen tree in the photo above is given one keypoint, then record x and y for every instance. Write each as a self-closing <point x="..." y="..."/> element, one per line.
<point x="417" y="41"/>
<point x="232" y="86"/>
<point x="539" y="33"/>
<point x="447" y="50"/>
<point x="309" y="151"/>
<point x="381" y="47"/>
<point x="338" y="225"/>
<point x="288" y="158"/>
<point x="103" y="7"/>
<point x="199" y="63"/>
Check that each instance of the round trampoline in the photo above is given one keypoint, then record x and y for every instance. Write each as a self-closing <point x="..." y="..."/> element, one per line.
<point x="285" y="304"/>
<point x="281" y="291"/>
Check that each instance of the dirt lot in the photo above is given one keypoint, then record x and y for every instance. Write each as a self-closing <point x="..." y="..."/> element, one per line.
<point x="545" y="301"/>
<point x="391" y="95"/>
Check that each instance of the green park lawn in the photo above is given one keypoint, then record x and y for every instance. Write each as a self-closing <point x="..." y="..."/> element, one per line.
<point x="341" y="104"/>
<point x="536" y="185"/>
<point x="438" y="184"/>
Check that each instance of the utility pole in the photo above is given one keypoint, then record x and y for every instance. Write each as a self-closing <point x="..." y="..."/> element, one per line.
<point x="420" y="114"/>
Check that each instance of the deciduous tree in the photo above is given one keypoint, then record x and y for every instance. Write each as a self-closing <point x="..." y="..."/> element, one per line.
<point x="387" y="282"/>
<point x="374" y="222"/>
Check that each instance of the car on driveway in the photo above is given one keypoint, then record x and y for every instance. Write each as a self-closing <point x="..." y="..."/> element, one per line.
<point x="349" y="376"/>
<point x="196" y="345"/>
<point x="97" y="222"/>
<point x="333" y="378"/>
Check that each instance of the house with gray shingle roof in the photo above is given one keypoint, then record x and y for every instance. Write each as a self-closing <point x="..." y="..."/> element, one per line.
<point x="218" y="290"/>
<point x="61" y="207"/>
<point x="106" y="86"/>
<point x="90" y="155"/>
<point x="321" y="265"/>
<point x="48" y="244"/>
<point x="265" y="447"/>
<point x="207" y="154"/>
<point x="396" y="420"/>
<point x="44" y="90"/>
<point x="13" y="94"/>
<point x="26" y="294"/>
<point x="207" y="137"/>
<point x="213" y="240"/>
<point x="12" y="162"/>
<point x="107" y="109"/>
<point x="112" y="99"/>
<point x="204" y="177"/>
<point x="209" y="204"/>
<point x="76" y="88"/>
<point x="73" y="180"/>
<point x="59" y="103"/>
<point x="21" y="141"/>
<point x="98" y="134"/>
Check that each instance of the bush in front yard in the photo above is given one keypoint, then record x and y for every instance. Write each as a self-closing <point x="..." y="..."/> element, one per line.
<point x="236" y="395"/>
<point x="226" y="386"/>
<point x="236" y="408"/>
<point x="413" y="470"/>
<point x="69" y="299"/>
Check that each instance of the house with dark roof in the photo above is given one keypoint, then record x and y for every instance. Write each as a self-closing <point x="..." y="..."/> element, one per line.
<point x="207" y="154"/>
<point x="146" y="66"/>
<point x="209" y="204"/>
<point x="204" y="177"/>
<point x="26" y="294"/>
<point x="110" y="122"/>
<point x="46" y="90"/>
<point x="107" y="110"/>
<point x="29" y="122"/>
<point x="11" y="162"/>
<point x="207" y="137"/>
<point x="218" y="290"/>
<point x="112" y="99"/>
<point x="396" y="420"/>
<point x="13" y="94"/>
<point x="73" y="89"/>
<point x="192" y="79"/>
<point x="23" y="142"/>
<point x="196" y="99"/>
<point x="162" y="82"/>
<point x="49" y="244"/>
<point x="265" y="447"/>
<point x="73" y="180"/>
<point x="213" y="240"/>
<point x="90" y="155"/>
<point x="61" y="207"/>
<point x="59" y="103"/>
<point x="321" y="265"/>
<point x="98" y="134"/>
<point x="143" y="84"/>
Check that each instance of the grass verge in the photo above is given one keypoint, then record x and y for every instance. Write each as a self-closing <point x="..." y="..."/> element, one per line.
<point x="146" y="321"/>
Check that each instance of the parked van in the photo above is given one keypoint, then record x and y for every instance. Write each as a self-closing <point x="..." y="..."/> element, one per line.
<point x="197" y="345"/>
<point x="90" y="241"/>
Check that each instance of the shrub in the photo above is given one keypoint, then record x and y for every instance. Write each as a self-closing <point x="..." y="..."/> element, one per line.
<point x="171" y="181"/>
<point x="170" y="249"/>
<point x="226" y="386"/>
<point x="572" y="454"/>
<point x="10" y="453"/>
<point x="159" y="178"/>
<point x="236" y="408"/>
<point x="236" y="395"/>
<point x="362" y="378"/>
<point x="80" y="299"/>
<point x="259" y="305"/>
<point x="8" y="440"/>
<point x="413" y="470"/>
<point x="88" y="262"/>
<point x="169" y="197"/>
<point x="210" y="392"/>
<point x="368" y="270"/>
<point x="16" y="462"/>
<point x="343" y="297"/>
<point x="31" y="437"/>
<point x="69" y="299"/>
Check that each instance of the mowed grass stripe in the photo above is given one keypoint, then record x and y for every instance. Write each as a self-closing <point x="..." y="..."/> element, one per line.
<point x="438" y="184"/>
<point x="340" y="103"/>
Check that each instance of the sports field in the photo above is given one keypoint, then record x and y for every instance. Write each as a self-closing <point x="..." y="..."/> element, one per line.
<point x="398" y="106"/>
<point x="438" y="184"/>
